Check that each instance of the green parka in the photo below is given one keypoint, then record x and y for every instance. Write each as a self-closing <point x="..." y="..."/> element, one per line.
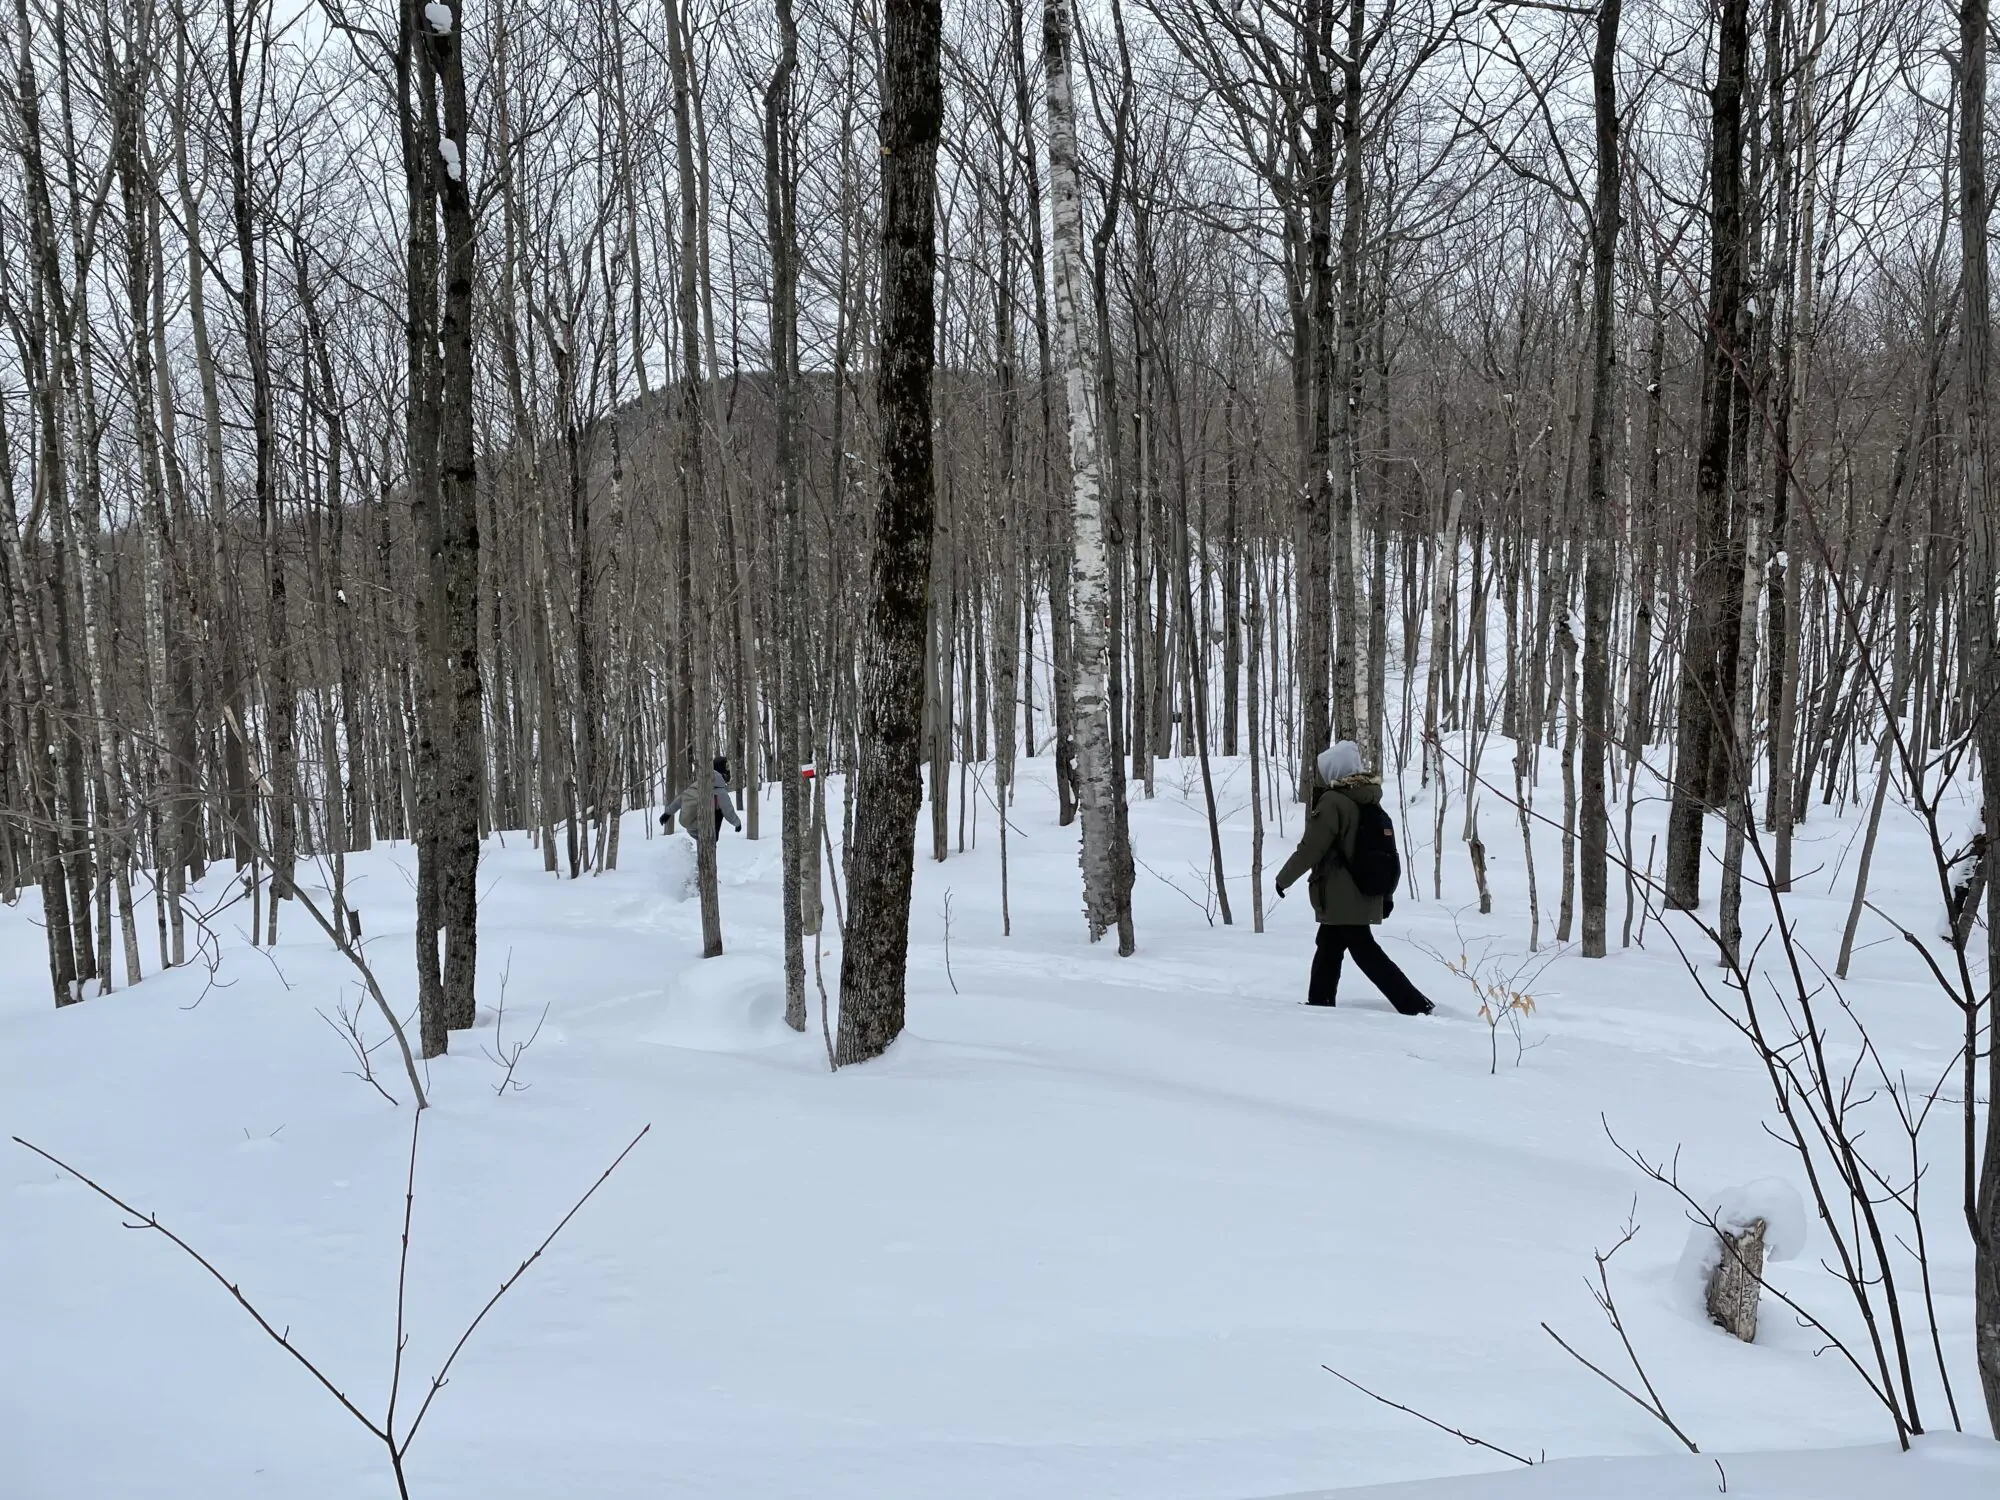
<point x="1336" y="812"/>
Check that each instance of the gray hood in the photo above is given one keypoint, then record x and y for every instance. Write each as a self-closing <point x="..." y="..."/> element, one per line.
<point x="1338" y="762"/>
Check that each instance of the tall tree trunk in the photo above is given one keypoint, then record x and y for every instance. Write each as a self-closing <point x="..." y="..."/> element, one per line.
<point x="1597" y="578"/>
<point x="1444" y="607"/>
<point x="882" y="855"/>
<point x="1254" y="605"/>
<point x="588" y="715"/>
<point x="218" y="640"/>
<point x="1707" y="685"/>
<point x="1024" y="123"/>
<point x="1982" y="634"/>
<point x="31" y="677"/>
<point x="1646" y="527"/>
<point x="181" y="745"/>
<point x="1799" y="287"/>
<point x="442" y="478"/>
<point x="697" y="624"/>
<point x="417" y="102"/>
<point x="163" y="667"/>
<point x="794" y="698"/>
<point x="241" y="28"/>
<point x="1232" y="574"/>
<point x="65" y="901"/>
<point x="1350" y="711"/>
<point x="463" y="768"/>
<point x="1315" y="541"/>
<point x="1008" y="537"/>
<point x="1107" y="859"/>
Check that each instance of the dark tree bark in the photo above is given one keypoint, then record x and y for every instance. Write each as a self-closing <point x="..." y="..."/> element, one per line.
<point x="241" y="35"/>
<point x="1708" y="679"/>
<point x="1349" y="720"/>
<point x="1983" y="639"/>
<point x="442" y="478"/>
<point x="357" y="810"/>
<point x="65" y="902"/>
<point x="463" y="771"/>
<point x="794" y="698"/>
<point x="882" y="855"/>
<point x="1318" y="716"/>
<point x="589" y="712"/>
<point x="696" y="623"/>
<point x="168" y="778"/>
<point x="1597" y="580"/>
<point x="417" y="101"/>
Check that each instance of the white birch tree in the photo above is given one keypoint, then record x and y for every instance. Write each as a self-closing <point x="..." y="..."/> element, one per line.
<point x="1107" y="856"/>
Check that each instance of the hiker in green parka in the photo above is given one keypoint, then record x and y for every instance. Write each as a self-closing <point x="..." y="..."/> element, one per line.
<point x="1346" y="914"/>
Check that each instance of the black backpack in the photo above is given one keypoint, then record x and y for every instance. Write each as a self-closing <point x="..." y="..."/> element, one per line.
<point x="1376" y="866"/>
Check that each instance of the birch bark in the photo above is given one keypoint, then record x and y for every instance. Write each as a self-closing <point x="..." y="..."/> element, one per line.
<point x="1107" y="858"/>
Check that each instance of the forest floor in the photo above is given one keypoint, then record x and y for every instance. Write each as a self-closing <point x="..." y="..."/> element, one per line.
<point x="1091" y="1229"/>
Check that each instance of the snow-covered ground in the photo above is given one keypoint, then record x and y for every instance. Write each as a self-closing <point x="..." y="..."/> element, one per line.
<point x="1090" y="1230"/>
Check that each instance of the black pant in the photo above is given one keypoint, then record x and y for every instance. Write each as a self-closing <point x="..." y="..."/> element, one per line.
<point x="1334" y="943"/>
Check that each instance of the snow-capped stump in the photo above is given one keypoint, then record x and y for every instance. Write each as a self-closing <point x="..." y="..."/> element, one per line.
<point x="438" y="17"/>
<point x="1747" y="1228"/>
<point x="1737" y="1279"/>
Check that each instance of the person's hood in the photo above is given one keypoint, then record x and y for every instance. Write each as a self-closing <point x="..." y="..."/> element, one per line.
<point x="1340" y="770"/>
<point x="1339" y="761"/>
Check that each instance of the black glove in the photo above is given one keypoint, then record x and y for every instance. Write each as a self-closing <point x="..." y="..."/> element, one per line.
<point x="1280" y="890"/>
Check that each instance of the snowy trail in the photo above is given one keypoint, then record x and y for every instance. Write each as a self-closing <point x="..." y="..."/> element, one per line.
<point x="1090" y="1230"/>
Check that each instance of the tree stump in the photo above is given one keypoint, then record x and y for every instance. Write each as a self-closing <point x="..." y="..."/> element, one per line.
<point x="1965" y="902"/>
<point x="1734" y="1283"/>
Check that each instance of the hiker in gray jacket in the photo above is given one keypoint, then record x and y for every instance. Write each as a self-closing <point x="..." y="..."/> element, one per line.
<point x="724" y="808"/>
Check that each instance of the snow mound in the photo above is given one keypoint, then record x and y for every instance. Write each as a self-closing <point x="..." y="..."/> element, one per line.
<point x="1771" y="1199"/>
<point x="1777" y="1203"/>
<point x="732" y="1003"/>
